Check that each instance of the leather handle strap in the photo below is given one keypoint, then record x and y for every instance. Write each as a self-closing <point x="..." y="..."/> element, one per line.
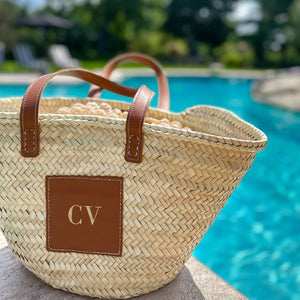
<point x="164" y="94"/>
<point x="30" y="104"/>
<point x="134" y="124"/>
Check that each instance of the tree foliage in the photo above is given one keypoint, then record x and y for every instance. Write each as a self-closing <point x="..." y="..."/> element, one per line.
<point x="173" y="30"/>
<point x="196" y="20"/>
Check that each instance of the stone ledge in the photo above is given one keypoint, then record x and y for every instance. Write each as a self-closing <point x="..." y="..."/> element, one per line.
<point x="26" y="78"/>
<point x="194" y="282"/>
<point x="282" y="90"/>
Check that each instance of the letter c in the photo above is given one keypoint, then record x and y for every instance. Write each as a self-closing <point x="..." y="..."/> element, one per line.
<point x="70" y="214"/>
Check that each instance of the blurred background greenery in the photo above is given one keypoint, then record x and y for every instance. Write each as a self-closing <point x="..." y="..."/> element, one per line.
<point x="237" y="34"/>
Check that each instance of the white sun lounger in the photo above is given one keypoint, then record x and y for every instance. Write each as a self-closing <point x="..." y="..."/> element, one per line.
<point x="61" y="57"/>
<point x="24" y="55"/>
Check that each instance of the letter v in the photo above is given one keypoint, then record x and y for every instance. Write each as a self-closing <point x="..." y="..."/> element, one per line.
<point x="89" y="211"/>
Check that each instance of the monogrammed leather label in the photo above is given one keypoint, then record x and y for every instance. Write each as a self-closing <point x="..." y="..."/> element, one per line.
<point x="84" y="214"/>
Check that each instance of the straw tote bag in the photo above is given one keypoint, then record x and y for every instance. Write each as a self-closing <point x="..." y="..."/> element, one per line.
<point x="110" y="207"/>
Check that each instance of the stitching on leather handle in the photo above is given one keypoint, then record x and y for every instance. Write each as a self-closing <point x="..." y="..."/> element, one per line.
<point x="136" y="157"/>
<point x="34" y="141"/>
<point x="22" y="117"/>
<point x="137" y="149"/>
<point x="128" y="124"/>
<point x="25" y="151"/>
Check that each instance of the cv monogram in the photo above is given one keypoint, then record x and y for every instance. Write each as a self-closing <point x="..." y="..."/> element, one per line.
<point x="89" y="212"/>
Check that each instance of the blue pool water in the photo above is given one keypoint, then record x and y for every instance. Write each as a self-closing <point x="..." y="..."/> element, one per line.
<point x="254" y="243"/>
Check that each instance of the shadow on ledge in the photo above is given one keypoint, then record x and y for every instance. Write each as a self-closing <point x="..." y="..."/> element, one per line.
<point x="16" y="282"/>
<point x="182" y="287"/>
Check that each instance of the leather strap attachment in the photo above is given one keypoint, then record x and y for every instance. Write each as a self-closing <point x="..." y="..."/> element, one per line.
<point x="164" y="94"/>
<point x="134" y="124"/>
<point x="30" y="104"/>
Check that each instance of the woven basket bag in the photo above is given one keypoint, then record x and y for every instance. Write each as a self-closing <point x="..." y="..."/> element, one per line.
<point x="164" y="186"/>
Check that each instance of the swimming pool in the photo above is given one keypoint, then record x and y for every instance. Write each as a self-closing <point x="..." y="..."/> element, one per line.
<point x="254" y="243"/>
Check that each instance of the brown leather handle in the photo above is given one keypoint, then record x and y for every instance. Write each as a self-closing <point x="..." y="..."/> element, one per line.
<point x="164" y="94"/>
<point x="134" y="123"/>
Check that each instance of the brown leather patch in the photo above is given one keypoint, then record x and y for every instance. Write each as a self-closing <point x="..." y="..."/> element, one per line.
<point x="84" y="214"/>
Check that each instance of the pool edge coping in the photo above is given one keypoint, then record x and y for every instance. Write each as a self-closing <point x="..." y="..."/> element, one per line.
<point x="26" y="78"/>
